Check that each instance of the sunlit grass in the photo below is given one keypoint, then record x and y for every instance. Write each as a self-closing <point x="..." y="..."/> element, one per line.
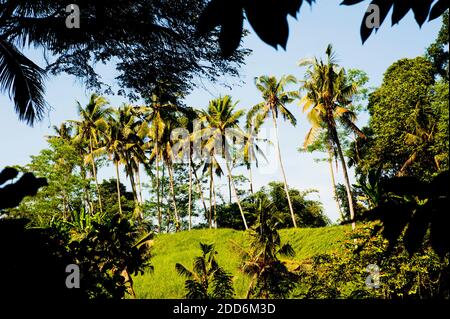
<point x="182" y="247"/>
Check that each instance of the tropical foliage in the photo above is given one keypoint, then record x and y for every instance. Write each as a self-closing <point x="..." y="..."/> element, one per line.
<point x="171" y="162"/>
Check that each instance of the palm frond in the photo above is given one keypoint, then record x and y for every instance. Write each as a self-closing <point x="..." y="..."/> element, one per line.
<point x="183" y="271"/>
<point x="23" y="80"/>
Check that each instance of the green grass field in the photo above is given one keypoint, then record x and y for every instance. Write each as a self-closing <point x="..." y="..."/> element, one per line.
<point x="182" y="247"/>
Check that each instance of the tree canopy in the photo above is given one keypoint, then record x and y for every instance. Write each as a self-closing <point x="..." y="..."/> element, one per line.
<point x="153" y="46"/>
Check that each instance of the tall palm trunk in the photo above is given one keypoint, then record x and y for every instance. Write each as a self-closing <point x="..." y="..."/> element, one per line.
<point x="133" y="185"/>
<point x="286" y="189"/>
<point x="118" y="186"/>
<point x="251" y="178"/>
<point x="172" y="189"/>
<point x="344" y="169"/>
<point x="214" y="206"/>
<point x="333" y="181"/>
<point x="83" y="173"/>
<point x="138" y="187"/>
<point x="190" y="190"/>
<point x="236" y="195"/>
<point x="158" y="199"/>
<point x="229" y="189"/>
<point x="200" y="190"/>
<point x="139" y="184"/>
<point x="131" y="176"/>
<point x="211" y="185"/>
<point x="94" y="172"/>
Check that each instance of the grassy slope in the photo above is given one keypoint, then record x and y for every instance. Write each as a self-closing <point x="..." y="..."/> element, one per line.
<point x="182" y="247"/>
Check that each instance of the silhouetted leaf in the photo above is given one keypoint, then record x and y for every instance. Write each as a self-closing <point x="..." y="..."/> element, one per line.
<point x="7" y="174"/>
<point x="351" y="2"/>
<point x="438" y="9"/>
<point x="421" y="9"/>
<point x="232" y="27"/>
<point x="384" y="7"/>
<point x="11" y="195"/>
<point x="292" y="7"/>
<point x="401" y="8"/>
<point x="268" y="21"/>
<point x="431" y="212"/>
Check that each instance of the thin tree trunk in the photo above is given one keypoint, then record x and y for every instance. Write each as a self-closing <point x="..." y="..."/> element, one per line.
<point x="139" y="184"/>
<point x="229" y="189"/>
<point x="200" y="191"/>
<point x="251" y="178"/>
<point x="333" y="181"/>
<point x="94" y="172"/>
<point x="236" y="195"/>
<point x="346" y="179"/>
<point x="158" y="199"/>
<point x="162" y="185"/>
<point x="172" y="188"/>
<point x="133" y="185"/>
<point x="190" y="190"/>
<point x="214" y="206"/>
<point x="139" y="187"/>
<point x="118" y="187"/>
<point x="128" y="279"/>
<point x="134" y="189"/>
<point x="87" y="203"/>
<point x="210" y="196"/>
<point x="286" y="189"/>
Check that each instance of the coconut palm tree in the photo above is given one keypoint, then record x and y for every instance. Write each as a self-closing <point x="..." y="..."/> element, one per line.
<point x="24" y="82"/>
<point x="421" y="138"/>
<point x="270" y="277"/>
<point x="275" y="100"/>
<point x="327" y="99"/>
<point x="207" y="280"/>
<point x="114" y="145"/>
<point x="154" y="117"/>
<point x="91" y="127"/>
<point x="190" y="115"/>
<point x="133" y="152"/>
<point x="160" y="117"/>
<point x="167" y="155"/>
<point x="221" y="119"/>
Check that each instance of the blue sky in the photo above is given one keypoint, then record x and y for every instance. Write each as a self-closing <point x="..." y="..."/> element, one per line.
<point x="326" y="22"/>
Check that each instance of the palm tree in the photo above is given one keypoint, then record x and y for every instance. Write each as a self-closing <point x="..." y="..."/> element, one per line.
<point x="270" y="277"/>
<point x="421" y="138"/>
<point x="114" y="146"/>
<point x="91" y="127"/>
<point x="24" y="82"/>
<point x="187" y="121"/>
<point x="167" y="156"/>
<point x="221" y="117"/>
<point x="134" y="149"/>
<point x="328" y="95"/>
<point x="154" y="117"/>
<point x="275" y="101"/>
<point x="207" y="280"/>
